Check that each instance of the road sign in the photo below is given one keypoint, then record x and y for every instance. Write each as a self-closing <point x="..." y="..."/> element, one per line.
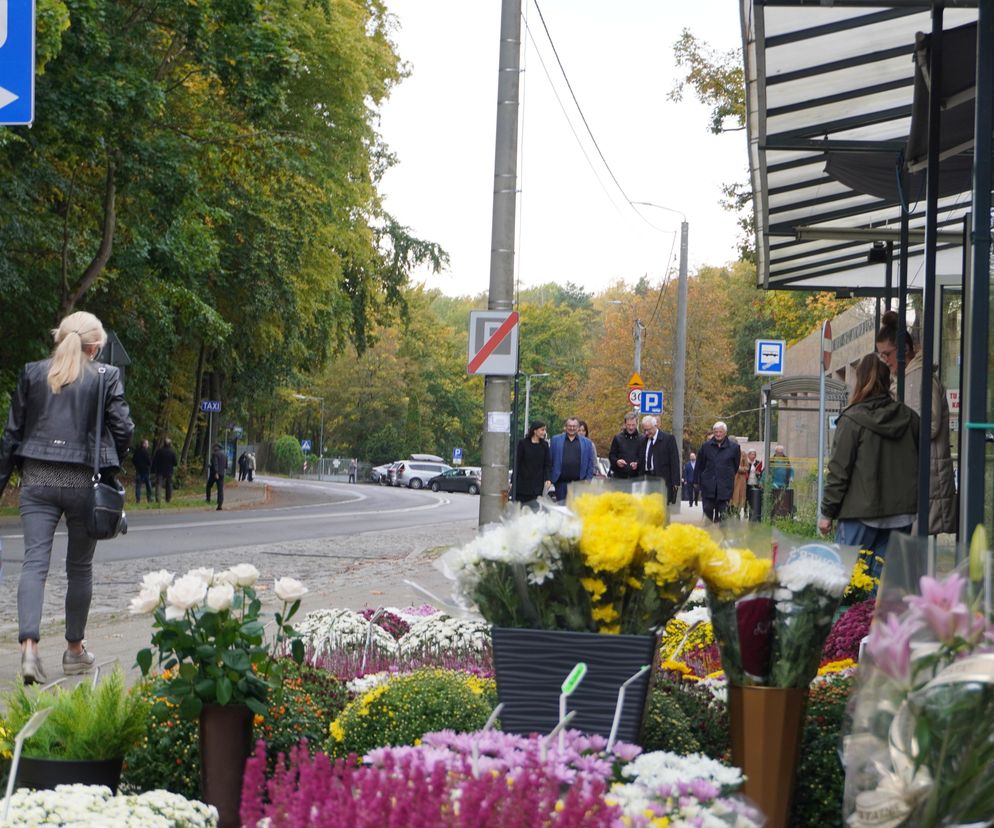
<point x="493" y="343"/>
<point x="635" y="397"/>
<point x="770" y="357"/>
<point x="211" y="406"/>
<point x="457" y="457"/>
<point x="17" y="62"/>
<point x="651" y="402"/>
<point x="636" y="381"/>
<point x="833" y="421"/>
<point x="305" y="445"/>
<point x="826" y="345"/>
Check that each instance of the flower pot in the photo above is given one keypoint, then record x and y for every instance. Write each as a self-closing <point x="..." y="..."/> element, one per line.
<point x="530" y="667"/>
<point x="767" y="724"/>
<point x="45" y="774"/>
<point x="225" y="744"/>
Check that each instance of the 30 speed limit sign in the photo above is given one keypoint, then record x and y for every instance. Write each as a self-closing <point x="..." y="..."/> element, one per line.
<point x="635" y="397"/>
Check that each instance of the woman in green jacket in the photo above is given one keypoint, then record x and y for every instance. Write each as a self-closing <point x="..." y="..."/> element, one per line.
<point x="871" y="487"/>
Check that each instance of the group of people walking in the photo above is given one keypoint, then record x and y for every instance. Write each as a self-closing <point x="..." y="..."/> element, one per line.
<point x="160" y="467"/>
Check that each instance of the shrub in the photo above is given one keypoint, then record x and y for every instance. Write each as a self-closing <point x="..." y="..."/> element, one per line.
<point x="820" y="775"/>
<point x="168" y="755"/>
<point x="288" y="454"/>
<point x="405" y="708"/>
<point x="706" y="717"/>
<point x="665" y="726"/>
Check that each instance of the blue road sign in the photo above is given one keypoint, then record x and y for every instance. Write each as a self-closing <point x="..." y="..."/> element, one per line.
<point x="457" y="456"/>
<point x="17" y="62"/>
<point x="211" y="406"/>
<point x="652" y="402"/>
<point x="770" y="357"/>
<point x="305" y="445"/>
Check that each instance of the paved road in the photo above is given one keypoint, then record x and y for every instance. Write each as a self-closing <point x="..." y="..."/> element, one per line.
<point x="351" y="545"/>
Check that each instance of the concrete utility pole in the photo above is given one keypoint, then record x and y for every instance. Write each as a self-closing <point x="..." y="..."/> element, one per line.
<point x="497" y="389"/>
<point x="680" y="374"/>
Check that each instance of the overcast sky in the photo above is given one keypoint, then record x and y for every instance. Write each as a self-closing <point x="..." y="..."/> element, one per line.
<point x="573" y="222"/>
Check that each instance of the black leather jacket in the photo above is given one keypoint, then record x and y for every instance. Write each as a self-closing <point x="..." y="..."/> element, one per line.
<point x="60" y="428"/>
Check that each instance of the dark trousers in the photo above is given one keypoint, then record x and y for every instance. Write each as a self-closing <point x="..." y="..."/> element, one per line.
<point x="856" y="533"/>
<point x="220" y="489"/>
<point x="714" y="510"/>
<point x="143" y="477"/>
<point x="162" y="480"/>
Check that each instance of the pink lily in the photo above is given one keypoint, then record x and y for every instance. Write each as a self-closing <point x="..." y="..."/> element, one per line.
<point x="889" y="646"/>
<point x="942" y="609"/>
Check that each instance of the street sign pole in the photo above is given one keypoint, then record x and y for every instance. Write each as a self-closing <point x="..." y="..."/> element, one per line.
<point x="826" y="361"/>
<point x="17" y="62"/>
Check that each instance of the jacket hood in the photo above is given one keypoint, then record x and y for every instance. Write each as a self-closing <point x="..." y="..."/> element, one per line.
<point x="881" y="415"/>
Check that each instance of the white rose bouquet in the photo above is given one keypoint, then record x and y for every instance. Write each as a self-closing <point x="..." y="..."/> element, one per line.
<point x="210" y="638"/>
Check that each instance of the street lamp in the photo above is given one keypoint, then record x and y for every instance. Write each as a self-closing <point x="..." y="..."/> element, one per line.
<point x="528" y="394"/>
<point x="321" y="439"/>
<point x="638" y="331"/>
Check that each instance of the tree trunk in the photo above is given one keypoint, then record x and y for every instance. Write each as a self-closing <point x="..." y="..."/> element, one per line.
<point x="194" y="406"/>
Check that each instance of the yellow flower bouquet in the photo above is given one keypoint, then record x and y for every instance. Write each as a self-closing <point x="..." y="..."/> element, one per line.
<point x="607" y="564"/>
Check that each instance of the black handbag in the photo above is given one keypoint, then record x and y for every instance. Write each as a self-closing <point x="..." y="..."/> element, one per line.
<point x="105" y="518"/>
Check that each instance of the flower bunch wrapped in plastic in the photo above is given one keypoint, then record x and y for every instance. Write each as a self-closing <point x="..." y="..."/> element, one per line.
<point x="771" y="621"/>
<point x="607" y="564"/>
<point x="921" y="751"/>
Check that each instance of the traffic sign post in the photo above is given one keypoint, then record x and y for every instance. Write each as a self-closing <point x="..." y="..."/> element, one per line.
<point x="769" y="361"/>
<point x="211" y="406"/>
<point x="305" y="445"/>
<point x="493" y="343"/>
<point x="17" y="62"/>
<point x="635" y="397"/>
<point x="651" y="402"/>
<point x="457" y="457"/>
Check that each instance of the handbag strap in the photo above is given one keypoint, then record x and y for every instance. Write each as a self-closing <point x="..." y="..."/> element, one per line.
<point x="101" y="370"/>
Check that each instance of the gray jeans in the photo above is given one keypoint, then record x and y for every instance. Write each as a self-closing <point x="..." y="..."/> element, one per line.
<point x="41" y="509"/>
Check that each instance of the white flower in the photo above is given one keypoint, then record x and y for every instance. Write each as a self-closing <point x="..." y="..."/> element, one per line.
<point x="662" y="768"/>
<point x="158" y="580"/>
<point x="146" y="601"/>
<point x="186" y="592"/>
<point x="220" y="597"/>
<point x="823" y="575"/>
<point x="289" y="589"/>
<point x="245" y="574"/>
<point x="204" y="573"/>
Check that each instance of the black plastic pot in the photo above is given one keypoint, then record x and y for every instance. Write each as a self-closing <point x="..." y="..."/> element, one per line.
<point x="45" y="774"/>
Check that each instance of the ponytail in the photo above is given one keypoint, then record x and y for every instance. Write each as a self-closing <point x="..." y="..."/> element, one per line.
<point x="76" y="332"/>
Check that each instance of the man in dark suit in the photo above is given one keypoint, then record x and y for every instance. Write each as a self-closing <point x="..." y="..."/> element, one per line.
<point x="717" y="463"/>
<point x="659" y="457"/>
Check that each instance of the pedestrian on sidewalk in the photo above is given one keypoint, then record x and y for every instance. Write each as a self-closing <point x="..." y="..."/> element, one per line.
<point x="624" y="454"/>
<point x="717" y="465"/>
<point x="49" y="434"/>
<point x="353" y="468"/>
<point x="163" y="467"/>
<point x="142" y="461"/>
<point x="251" y="466"/>
<point x="659" y="457"/>
<point x="215" y="474"/>
<point x="242" y="466"/>
<point x="532" y="465"/>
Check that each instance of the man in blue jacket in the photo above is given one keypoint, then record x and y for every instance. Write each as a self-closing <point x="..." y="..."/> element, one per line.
<point x="572" y="458"/>
<point x="717" y="463"/>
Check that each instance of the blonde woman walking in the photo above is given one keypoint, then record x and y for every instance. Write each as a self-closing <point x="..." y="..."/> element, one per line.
<point x="50" y="437"/>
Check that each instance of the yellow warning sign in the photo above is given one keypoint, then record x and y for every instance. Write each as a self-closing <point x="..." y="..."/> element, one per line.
<point x="636" y="381"/>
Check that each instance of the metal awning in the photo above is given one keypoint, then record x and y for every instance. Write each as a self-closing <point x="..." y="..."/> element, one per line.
<point x="830" y="91"/>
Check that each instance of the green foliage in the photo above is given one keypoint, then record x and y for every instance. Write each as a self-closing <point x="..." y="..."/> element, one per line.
<point x="717" y="79"/>
<point x="405" y="708"/>
<point x="288" y="453"/>
<point x="85" y="723"/>
<point x="820" y="775"/>
<point x="680" y="704"/>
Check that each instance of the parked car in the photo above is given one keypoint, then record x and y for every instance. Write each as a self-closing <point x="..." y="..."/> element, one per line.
<point x="465" y="479"/>
<point x="378" y="474"/>
<point x="415" y="473"/>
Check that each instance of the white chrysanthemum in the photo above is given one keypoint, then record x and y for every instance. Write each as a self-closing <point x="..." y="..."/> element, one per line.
<point x="811" y="571"/>
<point x="695" y="615"/>
<point x="328" y="631"/>
<point x="663" y="768"/>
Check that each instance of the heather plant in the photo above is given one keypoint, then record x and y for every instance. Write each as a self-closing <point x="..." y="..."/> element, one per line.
<point x="404" y="708"/>
<point x="820" y="775"/>
<point x="853" y="626"/>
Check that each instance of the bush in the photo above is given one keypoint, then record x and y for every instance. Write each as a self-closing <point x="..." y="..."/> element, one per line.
<point x="288" y="454"/>
<point x="705" y="718"/>
<point x="820" y="775"/>
<point x="168" y="755"/>
<point x="665" y="726"/>
<point x="403" y="709"/>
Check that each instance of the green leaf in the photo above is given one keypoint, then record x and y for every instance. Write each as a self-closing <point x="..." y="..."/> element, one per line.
<point x="237" y="660"/>
<point x="256" y="706"/>
<point x="252" y="628"/>
<point x="205" y="689"/>
<point x="144" y="660"/>
<point x="224" y="690"/>
<point x="190" y="707"/>
<point x="297" y="650"/>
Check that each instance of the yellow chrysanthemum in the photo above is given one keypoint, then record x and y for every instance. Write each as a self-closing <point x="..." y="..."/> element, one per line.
<point x="594" y="586"/>
<point x="676" y="667"/>
<point x="609" y="543"/>
<point x="735" y="571"/>
<point x="337" y="732"/>
<point x="677" y="641"/>
<point x="605" y="613"/>
<point x="836" y="666"/>
<point x="610" y="629"/>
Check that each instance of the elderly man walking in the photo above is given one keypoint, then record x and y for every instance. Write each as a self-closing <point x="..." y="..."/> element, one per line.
<point x="717" y="463"/>
<point x="659" y="457"/>
<point x="572" y="458"/>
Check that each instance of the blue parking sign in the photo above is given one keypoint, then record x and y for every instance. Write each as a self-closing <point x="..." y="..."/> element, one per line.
<point x="17" y="62"/>
<point x="651" y="402"/>
<point x="457" y="456"/>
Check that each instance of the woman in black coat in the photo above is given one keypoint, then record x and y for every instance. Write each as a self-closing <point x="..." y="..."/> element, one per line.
<point x="532" y="464"/>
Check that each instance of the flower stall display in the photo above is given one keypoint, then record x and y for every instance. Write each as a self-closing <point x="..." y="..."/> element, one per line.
<point x="594" y="584"/>
<point x="491" y="779"/>
<point x="83" y="806"/>
<point x="771" y="619"/>
<point x="922" y="743"/>
<point x="443" y="641"/>
<point x="209" y="633"/>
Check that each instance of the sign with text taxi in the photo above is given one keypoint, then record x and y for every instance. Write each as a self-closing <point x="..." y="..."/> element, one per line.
<point x="770" y="357"/>
<point x="17" y="62"/>
<point x="493" y="343"/>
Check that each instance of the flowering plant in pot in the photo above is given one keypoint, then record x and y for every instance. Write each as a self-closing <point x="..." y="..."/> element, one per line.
<point x="208" y="627"/>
